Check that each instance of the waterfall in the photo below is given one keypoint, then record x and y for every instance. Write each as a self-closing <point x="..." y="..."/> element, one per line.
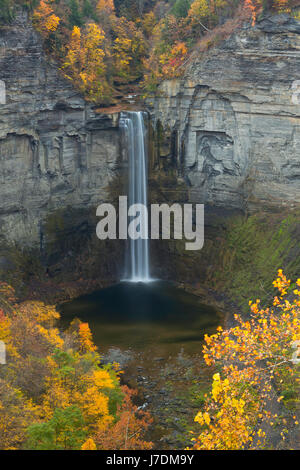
<point x="133" y="127"/>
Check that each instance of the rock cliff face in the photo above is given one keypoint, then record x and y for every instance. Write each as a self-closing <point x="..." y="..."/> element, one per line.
<point x="227" y="135"/>
<point x="55" y="151"/>
<point x="233" y="122"/>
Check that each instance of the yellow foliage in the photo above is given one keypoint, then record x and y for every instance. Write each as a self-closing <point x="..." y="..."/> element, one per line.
<point x="89" y="445"/>
<point x="52" y="336"/>
<point x="84" y="62"/>
<point x="88" y="392"/>
<point x="16" y="414"/>
<point x="39" y="312"/>
<point x="5" y="334"/>
<point x="252" y="354"/>
<point x="128" y="48"/>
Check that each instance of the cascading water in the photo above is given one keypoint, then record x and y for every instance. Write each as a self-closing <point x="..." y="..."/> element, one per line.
<point x="133" y="126"/>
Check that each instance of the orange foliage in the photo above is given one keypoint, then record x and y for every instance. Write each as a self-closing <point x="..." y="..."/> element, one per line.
<point x="154" y="44"/>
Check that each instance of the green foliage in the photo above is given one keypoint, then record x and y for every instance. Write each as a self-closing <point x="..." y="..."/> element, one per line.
<point x="181" y="8"/>
<point x="254" y="248"/>
<point x="64" y="431"/>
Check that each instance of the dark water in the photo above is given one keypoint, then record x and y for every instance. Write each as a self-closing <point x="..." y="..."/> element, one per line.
<point x="156" y="316"/>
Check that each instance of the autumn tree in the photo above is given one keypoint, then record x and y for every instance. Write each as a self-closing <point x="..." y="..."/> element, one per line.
<point x="206" y="12"/>
<point x="168" y="53"/>
<point x="251" y="6"/>
<point x="129" y="48"/>
<point x="199" y="11"/>
<point x="16" y="413"/>
<point x="54" y="392"/>
<point x="173" y="59"/>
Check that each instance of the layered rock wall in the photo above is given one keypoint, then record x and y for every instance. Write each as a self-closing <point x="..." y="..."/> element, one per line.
<point x="233" y="122"/>
<point x="55" y="150"/>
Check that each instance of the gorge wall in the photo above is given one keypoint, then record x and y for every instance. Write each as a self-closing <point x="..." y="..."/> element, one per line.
<point x="55" y="150"/>
<point x="233" y="121"/>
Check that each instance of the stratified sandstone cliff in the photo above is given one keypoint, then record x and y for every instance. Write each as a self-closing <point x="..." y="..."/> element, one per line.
<point x="55" y="151"/>
<point x="233" y="121"/>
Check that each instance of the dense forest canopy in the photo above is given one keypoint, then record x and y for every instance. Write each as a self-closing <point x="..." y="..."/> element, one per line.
<point x="104" y="44"/>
